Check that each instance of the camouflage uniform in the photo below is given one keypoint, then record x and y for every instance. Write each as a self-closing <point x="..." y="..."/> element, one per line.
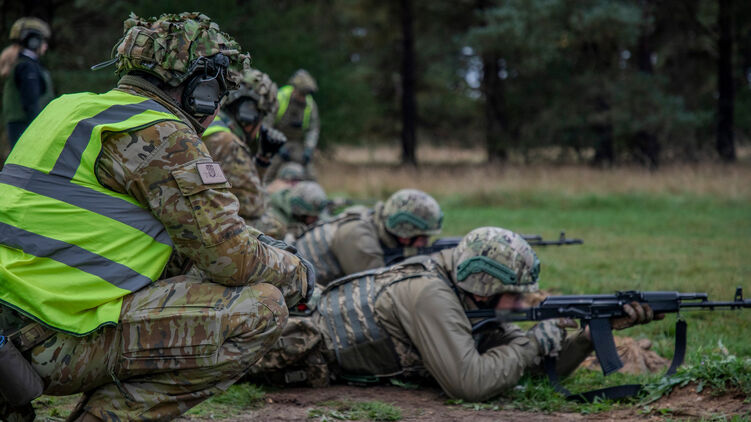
<point x="182" y="339"/>
<point x="354" y="240"/>
<point x="232" y="149"/>
<point x="384" y="322"/>
<point x="289" y="174"/>
<point x="302" y="133"/>
<point x="291" y="206"/>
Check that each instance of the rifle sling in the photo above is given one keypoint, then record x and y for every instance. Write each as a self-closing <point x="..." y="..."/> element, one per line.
<point x="618" y="392"/>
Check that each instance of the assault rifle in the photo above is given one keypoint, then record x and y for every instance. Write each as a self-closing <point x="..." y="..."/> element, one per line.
<point x="596" y="312"/>
<point x="394" y="255"/>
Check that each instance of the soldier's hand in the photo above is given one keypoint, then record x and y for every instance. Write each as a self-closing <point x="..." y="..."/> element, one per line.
<point x="636" y="313"/>
<point x="549" y="335"/>
<point x="271" y="141"/>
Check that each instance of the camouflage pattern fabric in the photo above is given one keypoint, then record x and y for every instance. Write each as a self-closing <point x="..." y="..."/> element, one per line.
<point x="303" y="81"/>
<point x="491" y="260"/>
<point x="411" y="212"/>
<point x="179" y="341"/>
<point x="358" y="316"/>
<point x="168" y="46"/>
<point x="347" y="244"/>
<point x="157" y="166"/>
<point x="297" y="138"/>
<point x="236" y="159"/>
<point x="549" y="337"/>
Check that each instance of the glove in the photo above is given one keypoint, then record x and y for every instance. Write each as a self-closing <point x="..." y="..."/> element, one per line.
<point x="549" y="335"/>
<point x="310" y="273"/>
<point x="307" y="155"/>
<point x="636" y="313"/>
<point x="279" y="244"/>
<point x="271" y="141"/>
<point x="284" y="153"/>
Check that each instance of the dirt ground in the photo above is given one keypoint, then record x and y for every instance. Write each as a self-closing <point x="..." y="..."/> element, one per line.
<point x="428" y="404"/>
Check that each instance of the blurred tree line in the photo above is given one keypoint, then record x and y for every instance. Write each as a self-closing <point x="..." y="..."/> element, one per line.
<point x="604" y="81"/>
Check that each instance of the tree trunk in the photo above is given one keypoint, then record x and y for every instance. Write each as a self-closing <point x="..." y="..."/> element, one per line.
<point x="409" y="102"/>
<point x="604" y="147"/>
<point x="496" y="117"/>
<point x="725" y="141"/>
<point x="647" y="143"/>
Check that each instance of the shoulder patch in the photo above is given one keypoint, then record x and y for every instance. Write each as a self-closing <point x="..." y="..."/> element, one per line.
<point x="211" y="173"/>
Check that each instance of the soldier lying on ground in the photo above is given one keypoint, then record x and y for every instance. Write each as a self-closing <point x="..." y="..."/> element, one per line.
<point x="354" y="241"/>
<point x="297" y="208"/>
<point x="231" y="139"/>
<point x="409" y="319"/>
<point x="100" y="191"/>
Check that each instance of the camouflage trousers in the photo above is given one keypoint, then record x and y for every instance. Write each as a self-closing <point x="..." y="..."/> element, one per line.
<point x="179" y="341"/>
<point x="298" y="356"/>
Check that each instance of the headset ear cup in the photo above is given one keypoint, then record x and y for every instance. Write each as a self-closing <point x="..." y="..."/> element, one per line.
<point x="201" y="96"/>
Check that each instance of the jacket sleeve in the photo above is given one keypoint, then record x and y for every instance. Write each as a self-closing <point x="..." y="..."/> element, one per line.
<point x="436" y="324"/>
<point x="356" y="247"/>
<point x="30" y="84"/>
<point x="157" y="166"/>
<point x="241" y="172"/>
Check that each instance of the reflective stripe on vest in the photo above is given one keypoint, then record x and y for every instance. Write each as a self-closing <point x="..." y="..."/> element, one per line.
<point x="218" y="125"/>
<point x="71" y="249"/>
<point x="283" y="96"/>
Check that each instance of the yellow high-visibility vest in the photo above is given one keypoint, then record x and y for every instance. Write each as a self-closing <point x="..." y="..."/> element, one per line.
<point x="283" y="96"/>
<point x="70" y="248"/>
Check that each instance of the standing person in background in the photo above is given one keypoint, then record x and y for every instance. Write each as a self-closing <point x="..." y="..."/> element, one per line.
<point x="298" y="119"/>
<point x="28" y="86"/>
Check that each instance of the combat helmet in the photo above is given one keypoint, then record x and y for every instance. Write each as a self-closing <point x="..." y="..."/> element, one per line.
<point x="303" y="81"/>
<point x="258" y="87"/>
<point x="411" y="212"/>
<point x="174" y="47"/>
<point x="291" y="172"/>
<point x="307" y="199"/>
<point x="491" y="260"/>
<point x="29" y="27"/>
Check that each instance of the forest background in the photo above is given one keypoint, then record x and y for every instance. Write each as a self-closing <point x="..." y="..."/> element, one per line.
<point x="595" y="81"/>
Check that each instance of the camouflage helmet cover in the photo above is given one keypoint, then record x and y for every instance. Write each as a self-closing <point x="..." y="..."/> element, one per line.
<point x="491" y="260"/>
<point x="169" y="46"/>
<point x="291" y="171"/>
<point x="307" y="198"/>
<point x="257" y="86"/>
<point x="411" y="212"/>
<point x="303" y="81"/>
<point x="24" y="27"/>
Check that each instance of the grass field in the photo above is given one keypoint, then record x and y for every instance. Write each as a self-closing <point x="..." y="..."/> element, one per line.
<point x="685" y="228"/>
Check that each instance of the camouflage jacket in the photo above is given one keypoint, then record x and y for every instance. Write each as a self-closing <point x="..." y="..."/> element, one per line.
<point x="156" y="165"/>
<point x="232" y="152"/>
<point x="349" y="243"/>
<point x="416" y="304"/>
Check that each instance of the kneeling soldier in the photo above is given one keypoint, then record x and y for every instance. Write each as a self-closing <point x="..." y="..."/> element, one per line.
<point x="99" y="193"/>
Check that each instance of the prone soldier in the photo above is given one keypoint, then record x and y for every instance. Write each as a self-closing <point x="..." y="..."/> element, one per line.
<point x="87" y="227"/>
<point x="354" y="240"/>
<point x="298" y="207"/>
<point x="410" y="319"/>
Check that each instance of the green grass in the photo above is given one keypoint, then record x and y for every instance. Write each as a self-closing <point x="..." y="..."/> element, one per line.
<point x="634" y="242"/>
<point x="236" y="399"/>
<point x="355" y="411"/>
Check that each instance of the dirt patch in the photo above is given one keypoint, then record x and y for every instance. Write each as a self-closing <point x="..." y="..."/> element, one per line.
<point x="428" y="404"/>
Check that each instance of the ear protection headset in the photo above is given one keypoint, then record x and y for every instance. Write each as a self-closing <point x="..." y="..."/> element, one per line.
<point x="206" y="88"/>
<point x="31" y="39"/>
